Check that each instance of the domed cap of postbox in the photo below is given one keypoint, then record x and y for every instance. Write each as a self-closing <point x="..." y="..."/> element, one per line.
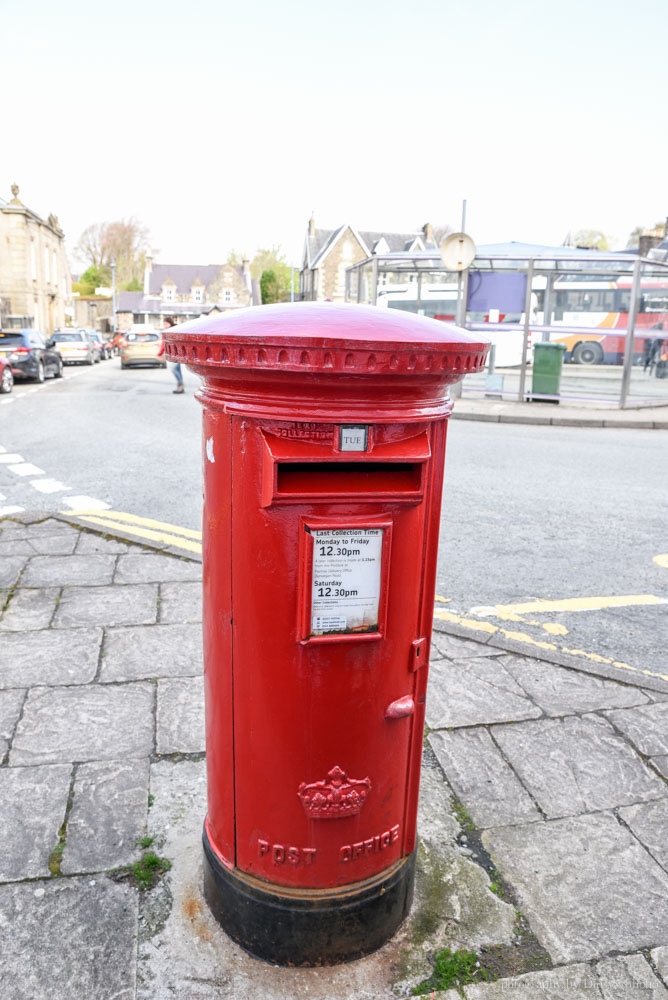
<point x="315" y="337"/>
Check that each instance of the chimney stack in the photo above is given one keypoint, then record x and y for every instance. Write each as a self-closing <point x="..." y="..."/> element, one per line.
<point x="311" y="226"/>
<point x="428" y="232"/>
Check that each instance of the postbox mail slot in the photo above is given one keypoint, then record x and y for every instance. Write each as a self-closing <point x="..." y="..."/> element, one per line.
<point x="296" y="471"/>
<point x="349" y="479"/>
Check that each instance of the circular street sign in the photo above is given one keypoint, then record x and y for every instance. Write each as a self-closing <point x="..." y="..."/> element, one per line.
<point x="457" y="251"/>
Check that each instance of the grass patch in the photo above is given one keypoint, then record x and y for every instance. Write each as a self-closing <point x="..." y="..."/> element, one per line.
<point x="452" y="968"/>
<point x="145" y="873"/>
<point x="145" y="841"/>
<point x="461" y="815"/>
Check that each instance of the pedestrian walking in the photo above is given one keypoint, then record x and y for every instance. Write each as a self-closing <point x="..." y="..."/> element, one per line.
<point x="176" y="367"/>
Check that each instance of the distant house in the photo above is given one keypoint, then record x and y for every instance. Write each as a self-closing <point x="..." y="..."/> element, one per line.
<point x="35" y="285"/>
<point x="328" y="252"/>
<point x="186" y="291"/>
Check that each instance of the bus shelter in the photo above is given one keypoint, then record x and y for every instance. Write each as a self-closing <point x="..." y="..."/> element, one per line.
<point x="608" y="310"/>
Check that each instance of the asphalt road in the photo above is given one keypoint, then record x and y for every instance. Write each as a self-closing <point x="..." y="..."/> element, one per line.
<point x="529" y="512"/>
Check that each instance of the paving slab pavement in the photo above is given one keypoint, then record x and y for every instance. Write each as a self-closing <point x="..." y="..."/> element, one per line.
<point x="543" y="813"/>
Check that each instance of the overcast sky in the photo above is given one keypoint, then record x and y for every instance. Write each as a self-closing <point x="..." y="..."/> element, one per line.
<point x="223" y="125"/>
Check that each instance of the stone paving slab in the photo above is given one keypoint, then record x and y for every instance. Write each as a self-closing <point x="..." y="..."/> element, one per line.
<point x="585" y="883"/>
<point x="180" y="715"/>
<point x="17" y="547"/>
<point x="661" y="764"/>
<point x="94" y="543"/>
<point x="660" y="958"/>
<point x="152" y="567"/>
<point x="458" y="649"/>
<point x="11" y="703"/>
<point x="33" y="809"/>
<point x="480" y="777"/>
<point x="30" y="609"/>
<point x="59" y="543"/>
<point x="132" y="604"/>
<point x="96" y="722"/>
<point x="10" y="569"/>
<point x="180" y="603"/>
<point x="475" y="691"/>
<point x="57" y="571"/>
<point x="30" y="528"/>
<point x="646" y="726"/>
<point x="68" y="939"/>
<point x="560" y="691"/>
<point x="136" y="652"/>
<point x="578" y="764"/>
<point x="572" y="982"/>
<point x="48" y="657"/>
<point x="649" y="822"/>
<point x="108" y="815"/>
<point x="628" y="977"/>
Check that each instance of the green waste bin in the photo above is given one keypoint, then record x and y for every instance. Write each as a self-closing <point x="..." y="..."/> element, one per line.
<point x="547" y="361"/>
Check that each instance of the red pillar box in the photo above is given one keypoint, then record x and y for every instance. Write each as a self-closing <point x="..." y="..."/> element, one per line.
<point x="324" y="439"/>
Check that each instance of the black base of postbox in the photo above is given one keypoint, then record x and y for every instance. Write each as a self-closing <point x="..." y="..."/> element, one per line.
<point x="308" y="927"/>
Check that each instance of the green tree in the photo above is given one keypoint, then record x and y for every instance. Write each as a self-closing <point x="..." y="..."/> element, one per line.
<point x="134" y="285"/>
<point x="96" y="275"/>
<point x="269" y="287"/>
<point x="273" y="259"/>
<point x="593" y="239"/>
<point x="126" y="241"/>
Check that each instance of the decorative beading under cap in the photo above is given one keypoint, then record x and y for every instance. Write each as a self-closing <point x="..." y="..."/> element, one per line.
<point x="327" y="338"/>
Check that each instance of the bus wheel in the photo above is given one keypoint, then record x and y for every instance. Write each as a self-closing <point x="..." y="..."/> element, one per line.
<point x="588" y="353"/>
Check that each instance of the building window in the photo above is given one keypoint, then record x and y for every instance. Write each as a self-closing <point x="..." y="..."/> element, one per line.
<point x="47" y="263"/>
<point x="168" y="293"/>
<point x="33" y="260"/>
<point x="54" y="275"/>
<point x="227" y="295"/>
<point x="198" y="294"/>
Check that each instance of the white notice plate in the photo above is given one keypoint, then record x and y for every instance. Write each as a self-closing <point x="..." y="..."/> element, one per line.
<point x="345" y="592"/>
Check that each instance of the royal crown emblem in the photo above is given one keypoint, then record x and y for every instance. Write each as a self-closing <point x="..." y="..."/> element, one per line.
<point x="339" y="796"/>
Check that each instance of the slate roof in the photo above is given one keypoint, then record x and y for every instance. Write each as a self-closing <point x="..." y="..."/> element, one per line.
<point x="137" y="302"/>
<point x="184" y="276"/>
<point x="322" y="239"/>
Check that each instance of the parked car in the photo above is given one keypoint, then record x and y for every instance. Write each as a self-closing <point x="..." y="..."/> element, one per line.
<point x="29" y="356"/>
<point x="76" y="347"/>
<point x="103" y="345"/>
<point x="6" y="377"/>
<point x="143" y="345"/>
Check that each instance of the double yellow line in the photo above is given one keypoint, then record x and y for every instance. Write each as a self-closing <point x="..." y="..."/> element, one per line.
<point x="142" y="527"/>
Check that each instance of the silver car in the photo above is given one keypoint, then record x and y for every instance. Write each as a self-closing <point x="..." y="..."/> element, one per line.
<point x="76" y="347"/>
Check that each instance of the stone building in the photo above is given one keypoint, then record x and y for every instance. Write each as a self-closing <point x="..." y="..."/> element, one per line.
<point x="328" y="252"/>
<point x="35" y="282"/>
<point x="186" y="291"/>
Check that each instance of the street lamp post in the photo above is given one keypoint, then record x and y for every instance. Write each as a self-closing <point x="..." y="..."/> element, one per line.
<point x="113" y="295"/>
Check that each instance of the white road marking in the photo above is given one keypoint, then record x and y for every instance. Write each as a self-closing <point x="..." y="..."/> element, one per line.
<point x="49" y="486"/>
<point x="26" y="469"/>
<point x="85" y="503"/>
<point x="10" y="510"/>
<point x="10" y="459"/>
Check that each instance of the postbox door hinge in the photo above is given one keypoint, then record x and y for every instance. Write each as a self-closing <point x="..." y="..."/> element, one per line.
<point x="418" y="657"/>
